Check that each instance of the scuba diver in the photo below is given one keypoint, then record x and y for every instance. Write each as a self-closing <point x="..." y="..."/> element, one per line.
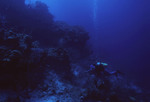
<point x="99" y="69"/>
<point x="101" y="80"/>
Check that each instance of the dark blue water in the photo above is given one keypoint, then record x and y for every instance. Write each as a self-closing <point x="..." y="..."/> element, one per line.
<point x="119" y="30"/>
<point x="74" y="51"/>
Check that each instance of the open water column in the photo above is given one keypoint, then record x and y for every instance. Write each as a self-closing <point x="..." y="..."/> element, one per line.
<point x="95" y="6"/>
<point x="95" y="36"/>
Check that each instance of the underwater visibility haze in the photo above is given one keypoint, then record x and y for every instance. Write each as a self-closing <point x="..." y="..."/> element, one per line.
<point x="74" y="51"/>
<point x="119" y="30"/>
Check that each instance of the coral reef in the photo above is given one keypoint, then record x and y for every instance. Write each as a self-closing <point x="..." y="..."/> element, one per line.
<point x="73" y="38"/>
<point x="38" y="22"/>
<point x="32" y="73"/>
<point x="56" y="70"/>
